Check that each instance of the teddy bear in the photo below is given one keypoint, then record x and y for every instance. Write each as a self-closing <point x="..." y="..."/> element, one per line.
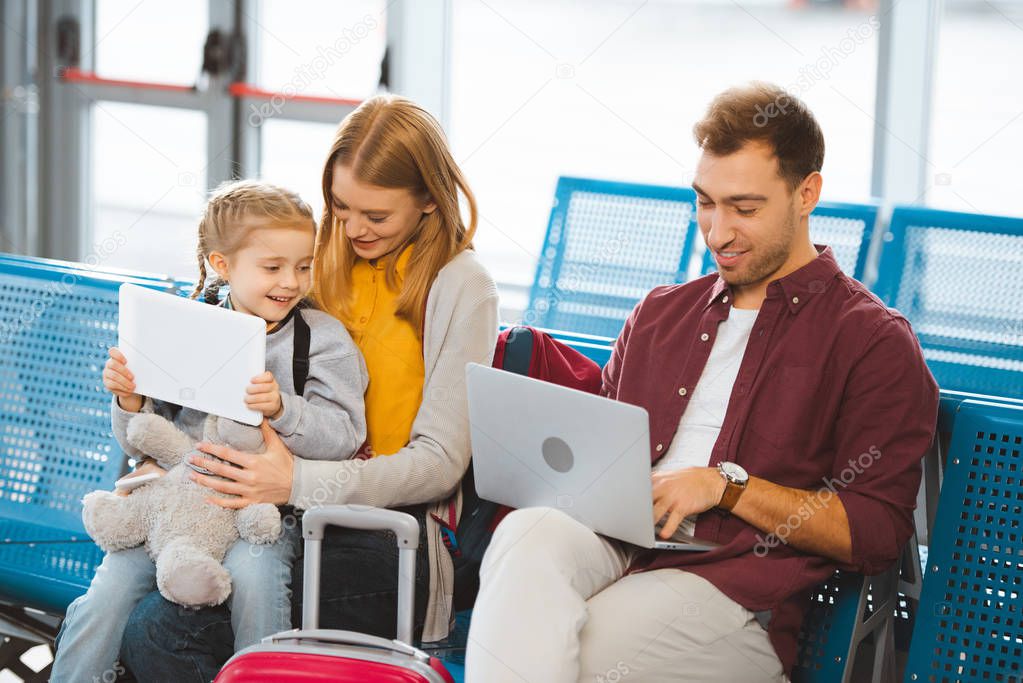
<point x="186" y="536"/>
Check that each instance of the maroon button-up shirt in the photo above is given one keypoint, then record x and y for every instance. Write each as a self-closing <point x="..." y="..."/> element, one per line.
<point x="832" y="393"/>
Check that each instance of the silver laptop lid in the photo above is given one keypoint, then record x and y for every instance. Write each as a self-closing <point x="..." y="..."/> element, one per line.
<point x="540" y="444"/>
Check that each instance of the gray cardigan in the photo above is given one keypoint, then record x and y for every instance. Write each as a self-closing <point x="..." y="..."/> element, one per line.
<point x="461" y="327"/>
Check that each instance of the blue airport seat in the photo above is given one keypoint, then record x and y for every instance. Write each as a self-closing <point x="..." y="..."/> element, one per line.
<point x="951" y="400"/>
<point x="45" y="568"/>
<point x="969" y="626"/>
<point x="846" y="611"/>
<point x="607" y="245"/>
<point x="846" y="228"/>
<point x="910" y="586"/>
<point x="938" y="268"/>
<point x="74" y="266"/>
<point x="58" y="322"/>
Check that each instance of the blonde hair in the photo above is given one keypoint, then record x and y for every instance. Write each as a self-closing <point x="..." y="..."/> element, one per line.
<point x="233" y="211"/>
<point x="389" y="141"/>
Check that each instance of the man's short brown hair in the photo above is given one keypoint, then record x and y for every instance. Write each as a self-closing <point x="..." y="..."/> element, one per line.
<point x="764" y="112"/>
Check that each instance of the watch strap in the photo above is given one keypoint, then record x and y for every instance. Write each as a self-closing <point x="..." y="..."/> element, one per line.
<point x="731" y="495"/>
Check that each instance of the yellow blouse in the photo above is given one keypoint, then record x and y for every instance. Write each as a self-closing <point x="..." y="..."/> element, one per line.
<point x="393" y="354"/>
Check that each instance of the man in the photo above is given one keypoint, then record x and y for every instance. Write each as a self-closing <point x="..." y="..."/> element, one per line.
<point x="789" y="410"/>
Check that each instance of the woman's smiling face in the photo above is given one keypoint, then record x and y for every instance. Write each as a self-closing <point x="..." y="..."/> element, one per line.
<point x="376" y="219"/>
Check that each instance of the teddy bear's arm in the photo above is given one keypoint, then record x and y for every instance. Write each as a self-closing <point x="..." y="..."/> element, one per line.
<point x="159" y="438"/>
<point x="119" y="419"/>
<point x="116" y="522"/>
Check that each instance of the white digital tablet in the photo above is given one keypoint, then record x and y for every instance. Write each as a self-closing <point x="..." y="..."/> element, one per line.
<point x="191" y="353"/>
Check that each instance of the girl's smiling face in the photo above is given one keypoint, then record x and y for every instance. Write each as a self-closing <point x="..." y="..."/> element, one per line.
<point x="270" y="273"/>
<point x="377" y="220"/>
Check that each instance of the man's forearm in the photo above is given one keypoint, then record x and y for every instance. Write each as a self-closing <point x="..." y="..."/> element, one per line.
<point x="811" y="521"/>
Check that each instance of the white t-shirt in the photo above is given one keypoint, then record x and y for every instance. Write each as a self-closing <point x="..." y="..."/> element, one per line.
<point x="702" y="419"/>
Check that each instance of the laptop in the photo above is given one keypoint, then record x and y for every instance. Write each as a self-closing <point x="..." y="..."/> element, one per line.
<point x="190" y="353"/>
<point x="539" y="444"/>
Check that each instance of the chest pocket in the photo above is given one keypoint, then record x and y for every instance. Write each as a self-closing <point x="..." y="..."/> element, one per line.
<point x="782" y="410"/>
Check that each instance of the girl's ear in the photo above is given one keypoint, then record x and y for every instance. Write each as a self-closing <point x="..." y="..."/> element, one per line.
<point x="219" y="263"/>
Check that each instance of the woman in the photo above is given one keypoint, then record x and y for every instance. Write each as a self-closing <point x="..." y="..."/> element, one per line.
<point x="394" y="263"/>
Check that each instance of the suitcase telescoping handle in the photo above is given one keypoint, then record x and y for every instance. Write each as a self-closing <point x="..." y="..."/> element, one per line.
<point x="404" y="526"/>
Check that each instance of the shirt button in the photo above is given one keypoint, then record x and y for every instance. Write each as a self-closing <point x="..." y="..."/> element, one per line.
<point x="795" y="299"/>
<point x="362" y="319"/>
<point x="704" y="337"/>
<point x="681" y="391"/>
<point x="724" y="300"/>
<point x="660" y="447"/>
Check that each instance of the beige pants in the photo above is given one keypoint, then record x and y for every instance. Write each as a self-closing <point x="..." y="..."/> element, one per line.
<point x="554" y="608"/>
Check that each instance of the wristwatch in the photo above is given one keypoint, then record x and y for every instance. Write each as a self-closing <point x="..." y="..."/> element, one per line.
<point x="736" y="479"/>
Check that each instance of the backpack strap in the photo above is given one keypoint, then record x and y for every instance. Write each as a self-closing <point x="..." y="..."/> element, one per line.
<point x="300" y="354"/>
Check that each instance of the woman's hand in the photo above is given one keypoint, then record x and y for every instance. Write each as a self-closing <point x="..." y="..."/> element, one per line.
<point x="120" y="381"/>
<point x="264" y="396"/>
<point x="258" y="478"/>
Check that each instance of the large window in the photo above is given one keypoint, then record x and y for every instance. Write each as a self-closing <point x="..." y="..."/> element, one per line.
<point x="537" y="89"/>
<point x="321" y="47"/>
<point x="149" y="179"/>
<point x="611" y="89"/>
<point x="977" y="124"/>
<point x="336" y="55"/>
<point x="293" y="155"/>
<point x="161" y="132"/>
<point x="131" y="40"/>
<point x="148" y="163"/>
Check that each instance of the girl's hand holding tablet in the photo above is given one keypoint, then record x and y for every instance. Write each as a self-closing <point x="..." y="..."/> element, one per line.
<point x="119" y="381"/>
<point x="264" y="395"/>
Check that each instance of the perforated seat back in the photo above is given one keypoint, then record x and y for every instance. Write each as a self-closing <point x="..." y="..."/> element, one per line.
<point x="55" y="327"/>
<point x="607" y="245"/>
<point x="958" y="278"/>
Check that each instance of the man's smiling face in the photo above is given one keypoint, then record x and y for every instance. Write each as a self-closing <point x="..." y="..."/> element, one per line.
<point x="748" y="213"/>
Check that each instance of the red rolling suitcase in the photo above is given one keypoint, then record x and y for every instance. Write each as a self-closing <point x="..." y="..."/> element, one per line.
<point x="312" y="654"/>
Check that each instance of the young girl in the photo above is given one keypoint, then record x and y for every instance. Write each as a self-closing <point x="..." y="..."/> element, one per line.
<point x="394" y="262"/>
<point x="259" y="240"/>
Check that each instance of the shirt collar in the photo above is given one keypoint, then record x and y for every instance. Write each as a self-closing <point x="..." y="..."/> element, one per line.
<point x="720" y="288"/>
<point x="798" y="287"/>
<point x="226" y="303"/>
<point x="287" y="319"/>
<point x="399" y="264"/>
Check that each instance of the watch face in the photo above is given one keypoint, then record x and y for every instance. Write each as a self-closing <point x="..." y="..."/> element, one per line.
<point x="734" y="472"/>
